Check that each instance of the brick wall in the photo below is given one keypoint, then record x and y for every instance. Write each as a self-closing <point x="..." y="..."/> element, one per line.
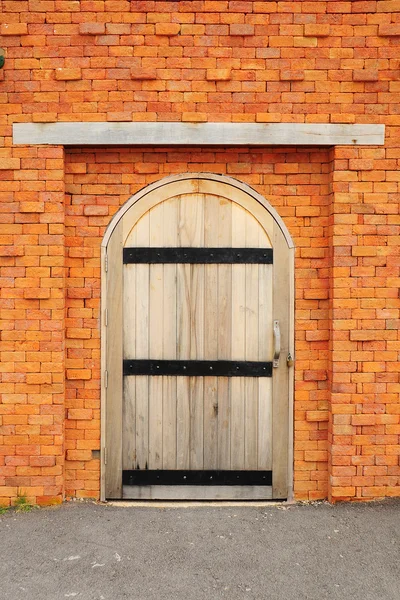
<point x="200" y="61"/>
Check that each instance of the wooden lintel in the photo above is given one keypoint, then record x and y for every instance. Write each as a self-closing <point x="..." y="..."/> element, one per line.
<point x="198" y="134"/>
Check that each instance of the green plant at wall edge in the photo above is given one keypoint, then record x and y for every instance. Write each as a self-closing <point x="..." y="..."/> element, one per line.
<point x="22" y="504"/>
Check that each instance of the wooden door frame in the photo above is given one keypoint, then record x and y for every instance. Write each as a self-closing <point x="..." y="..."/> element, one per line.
<point x="111" y="318"/>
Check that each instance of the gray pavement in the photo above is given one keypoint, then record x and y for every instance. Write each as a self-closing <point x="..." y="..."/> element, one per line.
<point x="291" y="552"/>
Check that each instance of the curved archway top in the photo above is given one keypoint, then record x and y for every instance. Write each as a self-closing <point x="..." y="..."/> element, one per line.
<point x="187" y="177"/>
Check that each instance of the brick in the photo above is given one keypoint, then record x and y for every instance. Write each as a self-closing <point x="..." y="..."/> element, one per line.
<point x="194" y="117"/>
<point x="315" y="375"/>
<point x="13" y="29"/>
<point x="71" y="74"/>
<point x="168" y="29"/>
<point x="345" y="492"/>
<point x="80" y="455"/>
<point x="317" y="30"/>
<point x="78" y="333"/>
<point x="218" y="74"/>
<point x="365" y="75"/>
<point x="363" y="419"/>
<point x="143" y="73"/>
<point x="7" y="164"/>
<point x="387" y="6"/>
<point x="47" y="117"/>
<point x="36" y="293"/>
<point x="79" y="374"/>
<point x="12" y="251"/>
<point x="359" y="164"/>
<point x="317" y="416"/>
<point x="92" y="28"/>
<point x="287" y="75"/>
<point x="241" y="29"/>
<point x="119" y="116"/>
<point x="389" y="29"/>
<point x="32" y="207"/>
<point x="316" y="455"/>
<point x="80" y="413"/>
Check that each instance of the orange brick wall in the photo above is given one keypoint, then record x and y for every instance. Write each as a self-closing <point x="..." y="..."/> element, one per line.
<point x="197" y="61"/>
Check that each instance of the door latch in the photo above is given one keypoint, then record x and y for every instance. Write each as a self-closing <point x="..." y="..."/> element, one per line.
<point x="277" y="349"/>
<point x="289" y="360"/>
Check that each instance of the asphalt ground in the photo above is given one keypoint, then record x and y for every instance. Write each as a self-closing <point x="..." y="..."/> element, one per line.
<point x="265" y="552"/>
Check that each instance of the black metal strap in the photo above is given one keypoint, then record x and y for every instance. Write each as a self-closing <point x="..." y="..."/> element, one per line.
<point x="146" y="477"/>
<point x="198" y="255"/>
<point x="202" y="368"/>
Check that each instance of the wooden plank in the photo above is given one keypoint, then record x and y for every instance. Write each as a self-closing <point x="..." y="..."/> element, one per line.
<point x="224" y="333"/>
<point x="129" y="423"/>
<point x="280" y="401"/>
<point x="129" y="351"/>
<point x="251" y="350"/>
<point x="197" y="492"/>
<point x="238" y="325"/>
<point x="196" y="134"/>
<point x="210" y="339"/>
<point x="196" y="436"/>
<point x="190" y="231"/>
<point x="169" y="335"/>
<point x="114" y="350"/>
<point x="142" y="348"/>
<point x="182" y="351"/>
<point x="156" y="314"/>
<point x="192" y="224"/>
<point x="265" y="352"/>
<point x="103" y="369"/>
<point x="290" y="428"/>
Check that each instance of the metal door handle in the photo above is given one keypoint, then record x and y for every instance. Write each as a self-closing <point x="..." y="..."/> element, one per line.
<point x="277" y="350"/>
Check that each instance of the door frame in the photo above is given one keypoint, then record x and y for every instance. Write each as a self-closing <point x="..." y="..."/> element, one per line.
<point x="111" y="318"/>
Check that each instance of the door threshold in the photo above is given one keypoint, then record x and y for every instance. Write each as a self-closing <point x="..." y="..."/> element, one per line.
<point x="197" y="492"/>
<point x="194" y="503"/>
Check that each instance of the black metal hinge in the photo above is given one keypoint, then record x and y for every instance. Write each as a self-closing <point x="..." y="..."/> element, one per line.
<point x="202" y="368"/>
<point x="198" y="255"/>
<point x="154" y="477"/>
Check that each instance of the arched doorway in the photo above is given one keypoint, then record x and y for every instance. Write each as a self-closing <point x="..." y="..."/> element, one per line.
<point x="197" y="344"/>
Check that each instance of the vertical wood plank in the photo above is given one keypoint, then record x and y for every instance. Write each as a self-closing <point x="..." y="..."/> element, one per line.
<point x="114" y="353"/>
<point x="265" y="352"/>
<point x="189" y="390"/>
<point x="129" y="329"/>
<point x="238" y="341"/>
<point x="251" y="352"/>
<point x="182" y="352"/>
<point x="280" y="401"/>
<point x="194" y="232"/>
<point x="142" y="347"/>
<point x="224" y="334"/>
<point x="156" y="313"/>
<point x="169" y="334"/>
<point x="129" y="423"/>
<point x="210" y="337"/>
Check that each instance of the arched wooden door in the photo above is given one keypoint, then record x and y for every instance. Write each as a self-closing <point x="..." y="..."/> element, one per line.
<point x="197" y="291"/>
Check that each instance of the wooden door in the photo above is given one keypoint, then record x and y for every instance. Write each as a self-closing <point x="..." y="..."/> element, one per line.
<point x="197" y="313"/>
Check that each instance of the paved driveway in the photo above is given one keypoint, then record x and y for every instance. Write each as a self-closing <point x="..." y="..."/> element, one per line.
<point x="89" y="551"/>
